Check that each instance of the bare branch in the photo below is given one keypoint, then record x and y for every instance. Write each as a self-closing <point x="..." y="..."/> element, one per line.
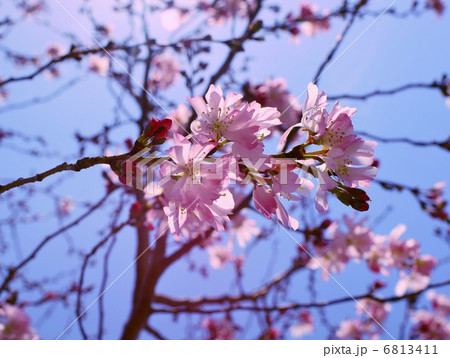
<point x="80" y="164"/>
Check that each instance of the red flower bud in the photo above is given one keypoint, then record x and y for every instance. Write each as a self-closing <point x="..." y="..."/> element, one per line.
<point x="129" y="143"/>
<point x="157" y="129"/>
<point x="135" y="210"/>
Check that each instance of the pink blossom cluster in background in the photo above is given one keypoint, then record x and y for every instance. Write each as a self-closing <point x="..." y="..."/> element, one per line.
<point x="15" y="323"/>
<point x="434" y="324"/>
<point x="373" y="314"/>
<point x="381" y="254"/>
<point x="307" y="21"/>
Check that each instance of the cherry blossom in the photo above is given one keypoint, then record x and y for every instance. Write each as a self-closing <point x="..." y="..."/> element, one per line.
<point x="311" y="22"/>
<point x="318" y="22"/>
<point x="305" y="325"/>
<point x="65" y="207"/>
<point x="431" y="326"/>
<point x="434" y="202"/>
<point x="373" y="313"/>
<point x="267" y="203"/>
<point x="219" y="256"/>
<point x="219" y="329"/>
<point x="223" y="117"/>
<point x="15" y="324"/>
<point x="375" y="309"/>
<point x="180" y="117"/>
<point x="413" y="282"/>
<point x="243" y="229"/>
<point x="226" y="9"/>
<point x="166" y="71"/>
<point x="55" y="50"/>
<point x="346" y="160"/>
<point x="274" y="93"/>
<point x="434" y="324"/>
<point x="193" y="189"/>
<point x="99" y="65"/>
<point x="440" y="303"/>
<point x="105" y="30"/>
<point x="351" y="329"/>
<point x="271" y="334"/>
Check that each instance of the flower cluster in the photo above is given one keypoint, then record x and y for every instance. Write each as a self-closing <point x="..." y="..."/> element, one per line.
<point x="166" y="71"/>
<point x="346" y="160"/>
<point x="381" y="253"/>
<point x="99" y="65"/>
<point x="192" y="180"/>
<point x="219" y="329"/>
<point x="15" y="324"/>
<point x="222" y="10"/>
<point x="304" y="326"/>
<point x="434" y="202"/>
<point x="274" y="93"/>
<point x="308" y="21"/>
<point x="373" y="313"/>
<point x="433" y="324"/>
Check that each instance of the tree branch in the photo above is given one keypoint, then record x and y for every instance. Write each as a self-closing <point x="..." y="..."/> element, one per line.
<point x="79" y="165"/>
<point x="441" y="86"/>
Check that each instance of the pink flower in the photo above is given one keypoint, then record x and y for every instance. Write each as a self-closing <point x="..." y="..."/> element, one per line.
<point x="431" y="326"/>
<point x="435" y="204"/>
<point x="344" y="158"/>
<point x="52" y="72"/>
<point x="401" y="253"/>
<point x="99" y="65"/>
<point x="105" y="30"/>
<point x="375" y="309"/>
<point x="193" y="188"/>
<point x="243" y="229"/>
<point x="425" y="264"/>
<point x="267" y="203"/>
<point x="412" y="282"/>
<point x="180" y="117"/>
<point x="358" y="239"/>
<point x="226" y="9"/>
<point x="65" y="207"/>
<point x="310" y="28"/>
<point x="219" y="256"/>
<point x="165" y="73"/>
<point x="15" y="324"/>
<point x="55" y="50"/>
<point x="287" y="183"/>
<point x="440" y="303"/>
<point x="271" y="334"/>
<point x="304" y="326"/>
<point x="352" y="164"/>
<point x="219" y="329"/>
<point x="274" y="93"/>
<point x="223" y="117"/>
<point x="330" y="259"/>
<point x="351" y="329"/>
<point x="378" y="256"/>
